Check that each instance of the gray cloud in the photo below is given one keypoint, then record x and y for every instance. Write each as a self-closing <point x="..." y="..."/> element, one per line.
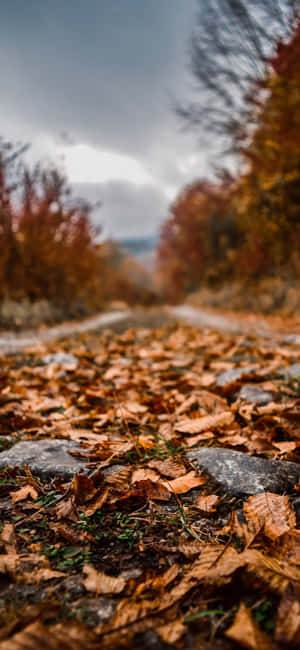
<point x="126" y="210"/>
<point x="104" y="73"/>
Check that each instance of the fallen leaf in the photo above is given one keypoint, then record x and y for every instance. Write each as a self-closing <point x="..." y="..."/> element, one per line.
<point x="8" y="537"/>
<point x="288" y="617"/>
<point x="101" y="583"/>
<point x="97" y="504"/>
<point x="208" y="503"/>
<point x="24" y="493"/>
<point x="171" y="632"/>
<point x="185" y="483"/>
<point x="83" y="488"/>
<point x="198" y="425"/>
<point x="272" y="512"/>
<point x="246" y="631"/>
<point x="169" y="467"/>
<point x="158" y="491"/>
<point x="144" y="475"/>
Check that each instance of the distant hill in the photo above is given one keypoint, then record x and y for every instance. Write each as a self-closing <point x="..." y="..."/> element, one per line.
<point x="141" y="248"/>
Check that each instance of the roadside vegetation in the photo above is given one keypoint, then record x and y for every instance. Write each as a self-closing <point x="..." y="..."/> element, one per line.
<point x="52" y="265"/>
<point x="243" y="227"/>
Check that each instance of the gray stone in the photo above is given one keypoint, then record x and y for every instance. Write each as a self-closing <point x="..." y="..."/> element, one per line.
<point x="255" y="394"/>
<point x="294" y="371"/>
<point x="45" y="458"/>
<point x="229" y="376"/>
<point x="97" y="610"/>
<point x="240" y="474"/>
<point x="61" y="358"/>
<point x="292" y="338"/>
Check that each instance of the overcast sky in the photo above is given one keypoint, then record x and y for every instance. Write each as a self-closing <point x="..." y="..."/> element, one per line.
<point x="92" y="82"/>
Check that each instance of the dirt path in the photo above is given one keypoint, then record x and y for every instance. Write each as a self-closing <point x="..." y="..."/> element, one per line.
<point x="11" y="342"/>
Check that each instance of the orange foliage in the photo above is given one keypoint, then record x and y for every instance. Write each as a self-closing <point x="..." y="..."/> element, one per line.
<point x="200" y="230"/>
<point x="250" y="227"/>
<point x="47" y="245"/>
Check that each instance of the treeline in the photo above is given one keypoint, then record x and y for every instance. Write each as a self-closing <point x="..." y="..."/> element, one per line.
<point x="49" y="250"/>
<point x="247" y="226"/>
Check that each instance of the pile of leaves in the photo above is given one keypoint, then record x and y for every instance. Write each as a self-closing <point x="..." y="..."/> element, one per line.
<point x="140" y="549"/>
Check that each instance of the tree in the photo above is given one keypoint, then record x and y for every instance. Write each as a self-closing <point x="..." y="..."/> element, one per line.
<point x="269" y="191"/>
<point x="229" y="51"/>
<point x="199" y="238"/>
<point x="47" y="245"/>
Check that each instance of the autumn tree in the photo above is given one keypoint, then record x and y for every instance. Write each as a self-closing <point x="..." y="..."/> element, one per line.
<point x="47" y="245"/>
<point x="269" y="190"/>
<point x="199" y="239"/>
<point x="230" y="47"/>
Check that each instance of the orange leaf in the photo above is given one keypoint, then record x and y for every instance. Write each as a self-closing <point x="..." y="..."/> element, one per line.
<point x="245" y="631"/>
<point x="102" y="583"/>
<point x="272" y="511"/>
<point x="24" y="493"/>
<point x="208" y="503"/>
<point x="198" y="425"/>
<point x="185" y="483"/>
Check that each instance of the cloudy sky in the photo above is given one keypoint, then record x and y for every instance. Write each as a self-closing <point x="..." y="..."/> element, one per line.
<point x="92" y="83"/>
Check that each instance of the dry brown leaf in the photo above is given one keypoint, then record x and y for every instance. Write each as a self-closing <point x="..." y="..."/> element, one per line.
<point x="199" y="425"/>
<point x="144" y="475"/>
<point x="238" y="525"/>
<point x="208" y="503"/>
<point x="245" y="631"/>
<point x="169" y="467"/>
<point x="158" y="491"/>
<point x="40" y="575"/>
<point x="97" y="504"/>
<point x="272" y="512"/>
<point x="190" y="549"/>
<point x="120" y="480"/>
<point x="288" y="617"/>
<point x="28" y="569"/>
<point x="286" y="447"/>
<point x="216" y="563"/>
<point x="8" y="537"/>
<point x="171" y="632"/>
<point x="185" y="483"/>
<point x="201" y="437"/>
<point x="36" y="636"/>
<point x="164" y="579"/>
<point x="101" y="583"/>
<point x="66" y="531"/>
<point x="83" y="488"/>
<point x="24" y="493"/>
<point x="275" y="572"/>
<point x="159" y="582"/>
<point x="206" y="400"/>
<point x="65" y="508"/>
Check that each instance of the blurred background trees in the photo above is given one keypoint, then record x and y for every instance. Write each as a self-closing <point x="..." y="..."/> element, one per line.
<point x="245" y="57"/>
<point x="50" y="255"/>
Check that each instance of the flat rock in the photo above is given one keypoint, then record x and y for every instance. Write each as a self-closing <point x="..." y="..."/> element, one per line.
<point x="45" y="458"/>
<point x="255" y="394"/>
<point x="229" y="376"/>
<point x="240" y="474"/>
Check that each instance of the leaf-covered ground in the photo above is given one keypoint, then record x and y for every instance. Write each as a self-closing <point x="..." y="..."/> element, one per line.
<point x="141" y="550"/>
